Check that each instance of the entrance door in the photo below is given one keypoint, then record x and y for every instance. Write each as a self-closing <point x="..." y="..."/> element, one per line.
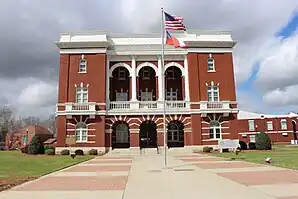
<point x="148" y="135"/>
<point x="120" y="136"/>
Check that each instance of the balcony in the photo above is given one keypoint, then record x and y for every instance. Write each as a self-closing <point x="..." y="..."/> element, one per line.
<point x="147" y="106"/>
<point x="80" y="109"/>
<point x="216" y="107"/>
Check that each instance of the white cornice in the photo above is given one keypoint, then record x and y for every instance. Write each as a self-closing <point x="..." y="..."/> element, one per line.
<point x="83" y="51"/>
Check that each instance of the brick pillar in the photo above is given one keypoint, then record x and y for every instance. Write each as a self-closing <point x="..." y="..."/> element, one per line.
<point x="61" y="130"/>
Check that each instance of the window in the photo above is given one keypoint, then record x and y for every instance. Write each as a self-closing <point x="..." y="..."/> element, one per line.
<point x="82" y="95"/>
<point x="211" y="67"/>
<point x="121" y="96"/>
<point x="213" y="93"/>
<point x="121" y="73"/>
<point x="283" y="124"/>
<point x="170" y="73"/>
<point x="269" y="126"/>
<point x="122" y="133"/>
<point x="171" y="95"/>
<point x="83" y="66"/>
<point x="146" y="73"/>
<point x="146" y="96"/>
<point x="214" y="130"/>
<point x="251" y="125"/>
<point x="81" y="132"/>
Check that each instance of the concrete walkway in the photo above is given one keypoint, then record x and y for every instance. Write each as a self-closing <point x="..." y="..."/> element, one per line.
<point x="143" y="176"/>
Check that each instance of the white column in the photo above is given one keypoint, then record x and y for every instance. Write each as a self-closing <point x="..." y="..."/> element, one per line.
<point x="160" y="80"/>
<point x="133" y="80"/>
<point x="107" y="81"/>
<point x="186" y="81"/>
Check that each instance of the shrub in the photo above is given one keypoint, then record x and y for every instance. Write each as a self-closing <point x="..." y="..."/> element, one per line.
<point x="50" y="152"/>
<point x="65" y="152"/>
<point x="93" y="152"/>
<point x="24" y="149"/>
<point x="35" y="146"/>
<point x="101" y="153"/>
<point x="243" y="145"/>
<point x="252" y="146"/>
<point x="207" y="149"/>
<point x="79" y="152"/>
<point x="48" y="147"/>
<point x="263" y="141"/>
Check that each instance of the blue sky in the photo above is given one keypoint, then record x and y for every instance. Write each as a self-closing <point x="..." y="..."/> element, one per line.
<point x="249" y="87"/>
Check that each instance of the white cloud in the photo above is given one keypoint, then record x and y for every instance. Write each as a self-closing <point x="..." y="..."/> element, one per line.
<point x="38" y="94"/>
<point x="282" y="97"/>
<point x="279" y="68"/>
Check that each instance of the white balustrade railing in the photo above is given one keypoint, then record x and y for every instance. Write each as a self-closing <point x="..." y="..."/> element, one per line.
<point x="119" y="105"/>
<point x="148" y="104"/>
<point x="90" y="106"/>
<point x="214" y="105"/>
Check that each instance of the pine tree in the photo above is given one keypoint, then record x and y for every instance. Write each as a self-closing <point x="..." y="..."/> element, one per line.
<point x="35" y="146"/>
<point x="263" y="141"/>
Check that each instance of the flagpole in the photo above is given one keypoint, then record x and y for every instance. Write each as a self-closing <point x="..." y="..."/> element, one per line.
<point x="163" y="85"/>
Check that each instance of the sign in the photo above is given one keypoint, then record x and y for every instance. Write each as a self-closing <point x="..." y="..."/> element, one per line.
<point x="252" y="138"/>
<point x="228" y="144"/>
<point x="70" y="140"/>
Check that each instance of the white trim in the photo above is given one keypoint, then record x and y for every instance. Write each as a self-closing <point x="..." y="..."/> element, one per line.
<point x="186" y="79"/>
<point x="160" y="80"/>
<point x="120" y="65"/>
<point x="133" y="80"/>
<point x="108" y="81"/>
<point x="177" y="65"/>
<point x="144" y="64"/>
<point x="210" y="50"/>
<point x="83" y="51"/>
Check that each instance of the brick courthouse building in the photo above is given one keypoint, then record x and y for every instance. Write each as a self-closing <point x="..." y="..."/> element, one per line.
<point x="111" y="96"/>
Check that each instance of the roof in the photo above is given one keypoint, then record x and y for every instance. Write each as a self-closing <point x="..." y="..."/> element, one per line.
<point x="251" y="115"/>
<point x="50" y="141"/>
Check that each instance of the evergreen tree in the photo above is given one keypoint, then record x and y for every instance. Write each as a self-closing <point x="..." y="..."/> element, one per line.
<point x="263" y="141"/>
<point x="35" y="146"/>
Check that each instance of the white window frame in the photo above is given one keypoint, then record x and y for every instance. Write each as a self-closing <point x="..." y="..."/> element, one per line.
<point x="171" y="95"/>
<point x="146" y="95"/>
<point x="121" y="96"/>
<point x="251" y="125"/>
<point x="81" y="133"/>
<point x="83" y="93"/>
<point x="210" y="64"/>
<point x="269" y="125"/>
<point x="216" y="130"/>
<point x="121" y="73"/>
<point x="83" y="65"/>
<point x="211" y="90"/>
<point x="283" y="124"/>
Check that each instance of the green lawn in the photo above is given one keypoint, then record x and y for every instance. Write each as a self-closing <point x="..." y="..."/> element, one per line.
<point x="16" y="164"/>
<point x="282" y="156"/>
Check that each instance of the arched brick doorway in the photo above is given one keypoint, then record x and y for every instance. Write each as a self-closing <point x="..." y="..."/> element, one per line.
<point x="120" y="135"/>
<point x="148" y="134"/>
<point x="175" y="134"/>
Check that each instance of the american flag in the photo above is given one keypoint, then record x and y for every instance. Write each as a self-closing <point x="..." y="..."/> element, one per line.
<point x="173" y="22"/>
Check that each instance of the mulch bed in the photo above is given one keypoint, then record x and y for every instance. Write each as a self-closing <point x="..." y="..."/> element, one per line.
<point x="8" y="183"/>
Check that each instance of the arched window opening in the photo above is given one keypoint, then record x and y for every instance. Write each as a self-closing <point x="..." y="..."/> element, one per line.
<point x="122" y="133"/>
<point x="214" y="130"/>
<point x="81" y="132"/>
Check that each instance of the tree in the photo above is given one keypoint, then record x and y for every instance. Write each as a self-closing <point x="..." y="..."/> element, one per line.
<point x="7" y="122"/>
<point x="51" y="124"/>
<point x="263" y="141"/>
<point x="31" y="120"/>
<point x="35" y="146"/>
